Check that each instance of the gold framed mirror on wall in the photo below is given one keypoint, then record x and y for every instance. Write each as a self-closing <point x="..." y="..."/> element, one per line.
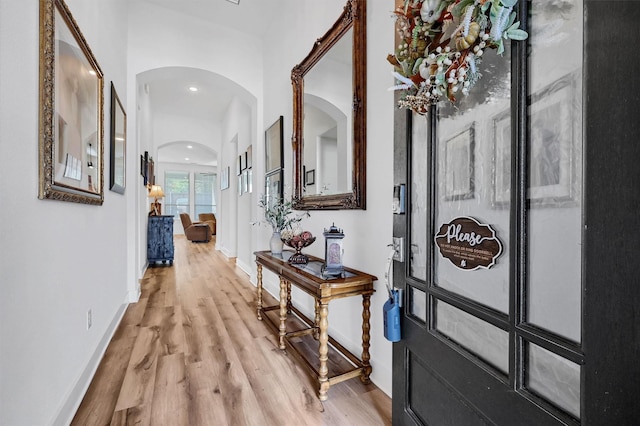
<point x="71" y="111"/>
<point x="329" y="117"/>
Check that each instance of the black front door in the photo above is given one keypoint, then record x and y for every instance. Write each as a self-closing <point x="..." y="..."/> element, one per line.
<point x="542" y="157"/>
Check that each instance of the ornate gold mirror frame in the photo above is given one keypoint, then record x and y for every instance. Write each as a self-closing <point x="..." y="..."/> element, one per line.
<point x="71" y="111"/>
<point x="353" y="17"/>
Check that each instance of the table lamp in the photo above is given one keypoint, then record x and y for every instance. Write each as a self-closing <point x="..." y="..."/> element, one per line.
<point x="156" y="192"/>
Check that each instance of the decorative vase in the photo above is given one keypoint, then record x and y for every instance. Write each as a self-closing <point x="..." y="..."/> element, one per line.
<point x="297" y="243"/>
<point x="275" y="243"/>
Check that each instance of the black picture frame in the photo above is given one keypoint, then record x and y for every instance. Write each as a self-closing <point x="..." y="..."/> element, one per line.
<point x="118" y="148"/>
<point x="145" y="168"/>
<point x="310" y="177"/>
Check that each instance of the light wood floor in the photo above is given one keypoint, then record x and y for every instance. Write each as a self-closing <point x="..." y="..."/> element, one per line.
<point x="192" y="352"/>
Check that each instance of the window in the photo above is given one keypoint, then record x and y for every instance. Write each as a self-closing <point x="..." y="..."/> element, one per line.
<point x="204" y="190"/>
<point x="176" y="193"/>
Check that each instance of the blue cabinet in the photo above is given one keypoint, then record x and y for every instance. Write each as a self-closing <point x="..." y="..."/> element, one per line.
<point x="160" y="239"/>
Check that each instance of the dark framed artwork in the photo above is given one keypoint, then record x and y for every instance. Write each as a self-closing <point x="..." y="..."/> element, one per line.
<point x="273" y="140"/>
<point x="151" y="172"/>
<point x="459" y="166"/>
<point x="143" y="169"/>
<point x="118" y="144"/>
<point x="310" y="177"/>
<point x="71" y="164"/>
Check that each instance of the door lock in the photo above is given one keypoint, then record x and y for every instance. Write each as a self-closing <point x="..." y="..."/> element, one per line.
<point x="398" y="249"/>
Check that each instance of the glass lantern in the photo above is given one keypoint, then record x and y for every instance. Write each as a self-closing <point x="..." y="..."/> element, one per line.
<point x="333" y="252"/>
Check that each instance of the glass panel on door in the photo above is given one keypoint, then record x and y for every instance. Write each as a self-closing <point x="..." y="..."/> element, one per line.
<point x="418" y="196"/>
<point x="555" y="168"/>
<point x="483" y="339"/>
<point x="554" y="378"/>
<point x="473" y="168"/>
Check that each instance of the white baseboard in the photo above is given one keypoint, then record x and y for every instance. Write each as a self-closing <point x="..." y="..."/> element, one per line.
<point x="242" y="265"/>
<point x="74" y="398"/>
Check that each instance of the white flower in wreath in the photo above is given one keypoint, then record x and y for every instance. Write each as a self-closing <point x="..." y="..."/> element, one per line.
<point x="431" y="10"/>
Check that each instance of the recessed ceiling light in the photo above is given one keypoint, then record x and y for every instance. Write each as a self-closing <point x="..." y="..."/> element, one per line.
<point x="186" y="158"/>
<point x="189" y="146"/>
<point x="193" y="88"/>
<point x="234" y="1"/>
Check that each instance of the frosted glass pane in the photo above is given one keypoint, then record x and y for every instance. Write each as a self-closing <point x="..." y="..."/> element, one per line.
<point x="477" y="336"/>
<point x="418" y="303"/>
<point x="555" y="169"/>
<point x="473" y="168"/>
<point x="554" y="378"/>
<point x="419" y="147"/>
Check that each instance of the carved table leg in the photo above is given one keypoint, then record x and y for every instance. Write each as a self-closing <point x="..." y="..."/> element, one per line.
<point x="366" y="315"/>
<point x="283" y="311"/>
<point x="259" y="292"/>
<point x="316" y="320"/>
<point x="288" y="297"/>
<point x="323" y="371"/>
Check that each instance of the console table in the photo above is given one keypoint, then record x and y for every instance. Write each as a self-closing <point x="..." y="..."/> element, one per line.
<point x="309" y="279"/>
<point x="160" y="239"/>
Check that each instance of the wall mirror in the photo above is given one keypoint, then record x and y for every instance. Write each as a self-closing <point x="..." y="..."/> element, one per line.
<point x="71" y="111"/>
<point x="329" y="117"/>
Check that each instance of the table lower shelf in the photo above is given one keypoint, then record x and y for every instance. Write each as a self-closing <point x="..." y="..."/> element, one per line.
<point x="301" y="338"/>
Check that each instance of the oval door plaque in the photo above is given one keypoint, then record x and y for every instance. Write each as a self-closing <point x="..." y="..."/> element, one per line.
<point x="468" y="244"/>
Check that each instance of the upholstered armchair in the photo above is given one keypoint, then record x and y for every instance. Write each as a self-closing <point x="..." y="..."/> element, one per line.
<point x="195" y="231"/>
<point x="209" y="219"/>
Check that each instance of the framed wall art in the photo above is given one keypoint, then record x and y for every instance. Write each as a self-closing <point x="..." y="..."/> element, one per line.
<point x="143" y="168"/>
<point x="552" y="153"/>
<point x="273" y="140"/>
<point x="249" y="157"/>
<point x="310" y="177"/>
<point x="459" y="166"/>
<point x="118" y="143"/>
<point x="71" y="164"/>
<point x="151" y="172"/>
<point x="224" y="180"/>
<point x="274" y="187"/>
<point x="501" y="127"/>
<point x="552" y="118"/>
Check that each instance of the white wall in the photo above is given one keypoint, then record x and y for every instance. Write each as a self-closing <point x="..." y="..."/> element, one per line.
<point x="367" y="232"/>
<point x="58" y="259"/>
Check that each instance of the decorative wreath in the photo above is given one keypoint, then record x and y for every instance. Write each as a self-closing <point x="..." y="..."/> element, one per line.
<point x="442" y="43"/>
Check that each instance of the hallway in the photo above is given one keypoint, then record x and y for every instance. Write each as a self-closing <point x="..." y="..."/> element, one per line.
<point x="192" y="352"/>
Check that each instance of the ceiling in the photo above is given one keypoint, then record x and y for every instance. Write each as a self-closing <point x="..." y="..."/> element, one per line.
<point x="169" y="88"/>
<point x="250" y="16"/>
